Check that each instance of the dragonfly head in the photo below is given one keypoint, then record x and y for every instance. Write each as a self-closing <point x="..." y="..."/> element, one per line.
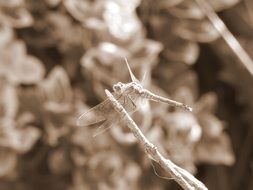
<point x="118" y="88"/>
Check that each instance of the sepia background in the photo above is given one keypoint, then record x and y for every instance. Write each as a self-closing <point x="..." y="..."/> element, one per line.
<point x="58" y="56"/>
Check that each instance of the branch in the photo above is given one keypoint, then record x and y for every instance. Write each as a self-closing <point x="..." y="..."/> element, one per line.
<point x="181" y="176"/>
<point x="229" y="38"/>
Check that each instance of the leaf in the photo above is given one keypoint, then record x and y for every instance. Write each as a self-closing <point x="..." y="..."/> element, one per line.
<point x="190" y="10"/>
<point x="215" y="151"/>
<point x="186" y="10"/>
<point x="21" y="68"/>
<point x="8" y="101"/>
<point x="181" y="50"/>
<point x="57" y="91"/>
<point x="207" y="103"/>
<point x="25" y="139"/>
<point x="212" y="127"/>
<point x="85" y="11"/>
<point x="219" y="5"/>
<point x="196" y="30"/>
<point x="17" y="137"/>
<point x="6" y="35"/>
<point x="58" y="162"/>
<point x="121" y="20"/>
<point x="16" y="17"/>
<point x="8" y="161"/>
<point x="29" y="70"/>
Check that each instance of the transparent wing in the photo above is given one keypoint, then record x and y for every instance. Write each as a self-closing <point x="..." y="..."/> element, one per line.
<point x="95" y="115"/>
<point x="103" y="115"/>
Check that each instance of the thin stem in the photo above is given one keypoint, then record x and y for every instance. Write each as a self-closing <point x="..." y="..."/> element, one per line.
<point x="226" y="35"/>
<point x="182" y="178"/>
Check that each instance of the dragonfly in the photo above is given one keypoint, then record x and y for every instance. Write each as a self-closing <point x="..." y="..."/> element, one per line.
<point x="131" y="96"/>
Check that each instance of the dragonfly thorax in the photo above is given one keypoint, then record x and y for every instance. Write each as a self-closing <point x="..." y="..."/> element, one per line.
<point x="121" y="88"/>
<point x="135" y="86"/>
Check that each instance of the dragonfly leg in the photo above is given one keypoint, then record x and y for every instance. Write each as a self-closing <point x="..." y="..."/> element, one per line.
<point x="132" y="102"/>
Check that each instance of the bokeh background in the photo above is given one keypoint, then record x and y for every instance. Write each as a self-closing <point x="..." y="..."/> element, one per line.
<point x="58" y="56"/>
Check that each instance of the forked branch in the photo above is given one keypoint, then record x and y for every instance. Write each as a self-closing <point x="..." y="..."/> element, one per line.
<point x="181" y="176"/>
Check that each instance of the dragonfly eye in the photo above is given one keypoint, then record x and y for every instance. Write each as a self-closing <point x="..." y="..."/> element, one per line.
<point x="118" y="87"/>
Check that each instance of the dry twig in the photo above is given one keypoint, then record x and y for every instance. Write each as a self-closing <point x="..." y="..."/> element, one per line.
<point x="229" y="38"/>
<point x="181" y="176"/>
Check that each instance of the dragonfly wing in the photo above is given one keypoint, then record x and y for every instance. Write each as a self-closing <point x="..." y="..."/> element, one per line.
<point x="114" y="119"/>
<point x="103" y="116"/>
<point x="98" y="114"/>
<point x="95" y="115"/>
<point x="103" y="127"/>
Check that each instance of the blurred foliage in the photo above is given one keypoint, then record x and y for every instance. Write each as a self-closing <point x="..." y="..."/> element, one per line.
<point x="58" y="56"/>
